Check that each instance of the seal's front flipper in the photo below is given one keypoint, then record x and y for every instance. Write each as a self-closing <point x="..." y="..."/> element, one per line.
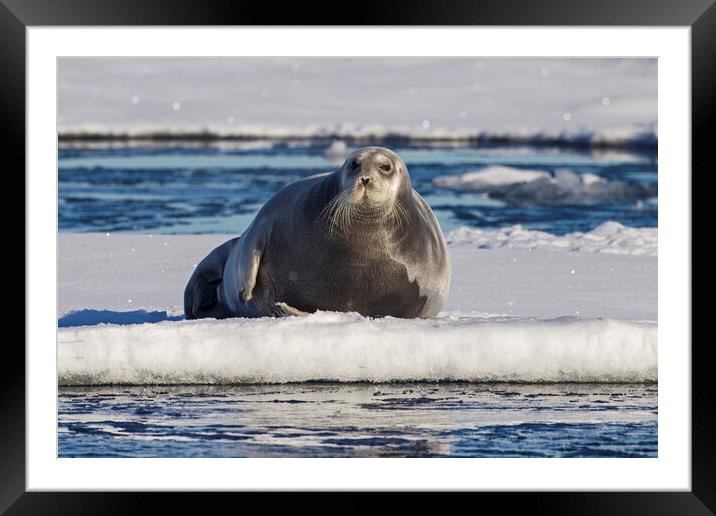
<point x="242" y="265"/>
<point x="284" y="310"/>
<point x="251" y="249"/>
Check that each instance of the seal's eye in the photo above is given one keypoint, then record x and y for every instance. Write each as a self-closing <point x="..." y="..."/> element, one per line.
<point x="355" y="163"/>
<point x="386" y="167"/>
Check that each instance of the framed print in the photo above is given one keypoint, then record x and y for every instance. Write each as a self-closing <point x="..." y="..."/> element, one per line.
<point x="431" y="249"/>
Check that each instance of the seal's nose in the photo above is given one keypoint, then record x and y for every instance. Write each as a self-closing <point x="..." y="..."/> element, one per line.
<point x="365" y="180"/>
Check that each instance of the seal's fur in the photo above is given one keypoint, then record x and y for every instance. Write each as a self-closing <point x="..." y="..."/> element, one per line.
<point x="359" y="239"/>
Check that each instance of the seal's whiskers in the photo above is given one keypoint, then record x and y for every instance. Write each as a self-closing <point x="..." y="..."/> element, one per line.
<point x="342" y="211"/>
<point x="399" y="214"/>
<point x="338" y="211"/>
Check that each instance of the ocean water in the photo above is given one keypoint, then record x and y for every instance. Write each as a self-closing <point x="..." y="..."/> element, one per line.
<point x="360" y="420"/>
<point x="218" y="188"/>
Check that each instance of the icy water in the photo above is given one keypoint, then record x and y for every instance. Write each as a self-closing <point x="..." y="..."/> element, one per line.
<point x="218" y="188"/>
<point x="360" y="420"/>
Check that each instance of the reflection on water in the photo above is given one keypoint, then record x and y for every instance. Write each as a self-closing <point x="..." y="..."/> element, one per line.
<point x="360" y="420"/>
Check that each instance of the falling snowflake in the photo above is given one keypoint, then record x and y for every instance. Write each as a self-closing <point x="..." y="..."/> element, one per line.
<point x="567" y="117"/>
<point x="176" y="106"/>
<point x="134" y="99"/>
<point x="606" y="101"/>
<point x="426" y="123"/>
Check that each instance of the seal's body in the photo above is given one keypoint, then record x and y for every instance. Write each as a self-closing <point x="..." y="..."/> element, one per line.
<point x="359" y="239"/>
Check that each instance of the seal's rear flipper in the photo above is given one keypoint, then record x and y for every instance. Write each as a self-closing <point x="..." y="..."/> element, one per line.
<point x="206" y="300"/>
<point x="201" y="298"/>
<point x="284" y="310"/>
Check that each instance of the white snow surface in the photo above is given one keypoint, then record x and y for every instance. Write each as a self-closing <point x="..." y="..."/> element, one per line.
<point x="610" y="237"/>
<point x="496" y="175"/>
<point x="513" y="314"/>
<point x="588" y="100"/>
<point x="348" y="347"/>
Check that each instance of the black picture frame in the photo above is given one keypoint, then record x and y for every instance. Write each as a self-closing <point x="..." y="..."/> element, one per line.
<point x="17" y="15"/>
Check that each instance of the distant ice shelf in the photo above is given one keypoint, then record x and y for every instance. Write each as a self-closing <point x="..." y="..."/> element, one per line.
<point x="642" y="135"/>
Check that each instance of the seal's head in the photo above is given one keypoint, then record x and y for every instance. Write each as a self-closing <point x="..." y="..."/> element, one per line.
<point x="374" y="176"/>
<point x="373" y="189"/>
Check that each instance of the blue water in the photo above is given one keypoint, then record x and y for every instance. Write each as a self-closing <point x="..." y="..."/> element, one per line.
<point x="359" y="420"/>
<point x="183" y="188"/>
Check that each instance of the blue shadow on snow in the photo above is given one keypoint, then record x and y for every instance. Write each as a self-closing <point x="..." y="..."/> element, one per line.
<point x="94" y="317"/>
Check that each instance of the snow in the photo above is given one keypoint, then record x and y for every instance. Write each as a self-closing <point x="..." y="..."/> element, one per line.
<point x="337" y="152"/>
<point x="348" y="347"/>
<point x="562" y="186"/>
<point x="609" y="237"/>
<point x="523" y="306"/>
<point x="488" y="177"/>
<point x="422" y="97"/>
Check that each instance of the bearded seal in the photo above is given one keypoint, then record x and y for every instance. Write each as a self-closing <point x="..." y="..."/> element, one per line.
<point x="359" y="239"/>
